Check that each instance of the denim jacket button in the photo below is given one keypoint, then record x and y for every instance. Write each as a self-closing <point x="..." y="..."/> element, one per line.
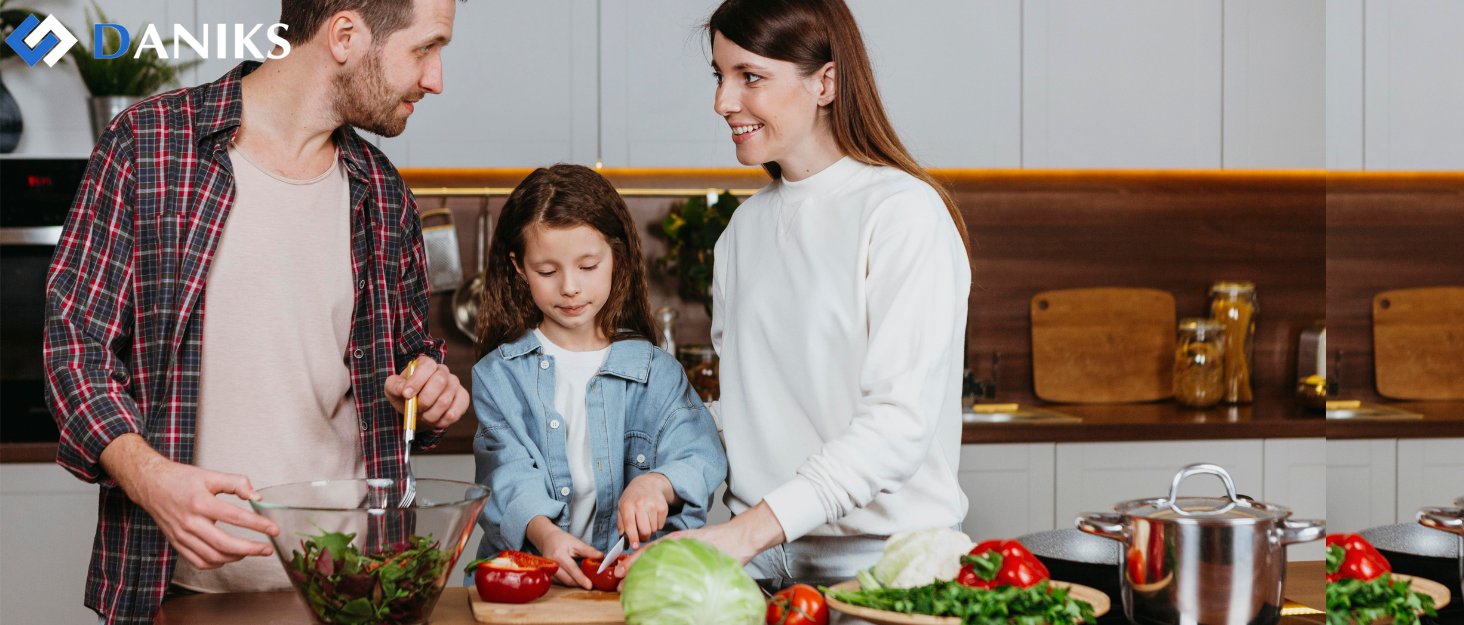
<point x="554" y="425"/>
<point x="640" y="458"/>
<point x="564" y="492"/>
<point x="543" y="364"/>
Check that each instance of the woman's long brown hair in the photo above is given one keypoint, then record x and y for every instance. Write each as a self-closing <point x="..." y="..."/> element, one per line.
<point x="810" y="34"/>
<point x="562" y="196"/>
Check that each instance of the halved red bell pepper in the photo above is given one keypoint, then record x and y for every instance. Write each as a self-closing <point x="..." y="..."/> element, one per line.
<point x="512" y="577"/>
<point x="1351" y="556"/>
<point x="996" y="563"/>
<point x="602" y="581"/>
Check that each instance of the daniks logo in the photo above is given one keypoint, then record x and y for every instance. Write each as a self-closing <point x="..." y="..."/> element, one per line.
<point x="47" y="40"/>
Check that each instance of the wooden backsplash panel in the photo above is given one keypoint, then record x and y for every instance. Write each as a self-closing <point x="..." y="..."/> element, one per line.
<point x="1041" y="230"/>
<point x="1385" y="231"/>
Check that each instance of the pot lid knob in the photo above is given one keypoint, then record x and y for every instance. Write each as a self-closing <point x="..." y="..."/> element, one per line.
<point x="1201" y="469"/>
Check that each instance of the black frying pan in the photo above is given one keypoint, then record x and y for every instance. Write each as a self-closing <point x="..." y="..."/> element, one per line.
<point x="1413" y="549"/>
<point x="1080" y="558"/>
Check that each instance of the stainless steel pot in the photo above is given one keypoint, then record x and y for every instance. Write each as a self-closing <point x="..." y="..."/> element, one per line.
<point x="1201" y="560"/>
<point x="1449" y="520"/>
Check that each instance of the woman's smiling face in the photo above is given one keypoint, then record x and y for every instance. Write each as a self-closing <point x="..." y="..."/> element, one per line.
<point x="771" y="108"/>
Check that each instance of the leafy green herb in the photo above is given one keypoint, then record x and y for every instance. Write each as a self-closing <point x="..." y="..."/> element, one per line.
<point x="1006" y="605"/>
<point x="344" y="586"/>
<point x="692" y="229"/>
<point x="130" y="74"/>
<point x="1353" y="600"/>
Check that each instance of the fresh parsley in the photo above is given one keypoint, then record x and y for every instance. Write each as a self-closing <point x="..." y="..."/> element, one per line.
<point x="1006" y="605"/>
<point x="346" y="587"/>
<point x="1352" y="601"/>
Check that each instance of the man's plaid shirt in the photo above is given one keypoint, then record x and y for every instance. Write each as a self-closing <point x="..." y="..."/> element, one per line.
<point x="125" y="309"/>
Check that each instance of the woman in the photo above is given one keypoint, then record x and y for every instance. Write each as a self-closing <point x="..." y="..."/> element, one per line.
<point x="839" y="305"/>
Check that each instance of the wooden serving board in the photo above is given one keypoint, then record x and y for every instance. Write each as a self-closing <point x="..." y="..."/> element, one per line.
<point x="1418" y="336"/>
<point x="1103" y="346"/>
<point x="1100" y="603"/>
<point x="559" y="606"/>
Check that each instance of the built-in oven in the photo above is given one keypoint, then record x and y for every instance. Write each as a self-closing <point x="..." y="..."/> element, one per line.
<point x="35" y="195"/>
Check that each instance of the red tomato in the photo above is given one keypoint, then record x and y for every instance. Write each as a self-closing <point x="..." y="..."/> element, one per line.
<point x="602" y="581"/>
<point x="799" y="604"/>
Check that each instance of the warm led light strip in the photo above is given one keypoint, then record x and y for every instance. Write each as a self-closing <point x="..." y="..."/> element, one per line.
<point x="1299" y="610"/>
<point x="491" y="191"/>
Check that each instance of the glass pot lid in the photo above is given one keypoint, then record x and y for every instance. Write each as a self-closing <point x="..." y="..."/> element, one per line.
<point x="1229" y="510"/>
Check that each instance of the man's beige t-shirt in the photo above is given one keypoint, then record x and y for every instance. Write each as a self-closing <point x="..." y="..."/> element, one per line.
<point x="275" y="398"/>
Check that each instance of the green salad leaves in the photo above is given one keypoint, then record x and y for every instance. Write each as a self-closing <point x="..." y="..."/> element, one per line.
<point x="344" y="586"/>
<point x="1006" y="605"/>
<point x="1353" y="600"/>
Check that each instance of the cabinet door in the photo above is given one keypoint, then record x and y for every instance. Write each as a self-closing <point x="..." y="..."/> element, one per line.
<point x="1344" y="84"/>
<point x="1361" y="484"/>
<point x="1275" y="84"/>
<point x="1412" y="89"/>
<point x="1092" y="477"/>
<point x="49" y="519"/>
<point x="1430" y="473"/>
<point x="1009" y="489"/>
<point x="1121" y="84"/>
<point x="1296" y="475"/>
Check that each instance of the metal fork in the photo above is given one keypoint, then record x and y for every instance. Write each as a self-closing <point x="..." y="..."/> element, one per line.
<point x="410" y="425"/>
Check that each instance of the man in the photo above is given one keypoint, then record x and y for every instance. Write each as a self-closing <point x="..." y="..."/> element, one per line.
<point x="236" y="297"/>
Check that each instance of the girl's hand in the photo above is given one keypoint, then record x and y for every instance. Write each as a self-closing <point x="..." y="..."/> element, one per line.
<point x="559" y="546"/>
<point x="644" y="506"/>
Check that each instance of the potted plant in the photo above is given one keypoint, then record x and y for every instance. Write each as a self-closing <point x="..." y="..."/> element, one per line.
<point x="11" y="124"/>
<point x="692" y="229"/>
<point x="117" y="83"/>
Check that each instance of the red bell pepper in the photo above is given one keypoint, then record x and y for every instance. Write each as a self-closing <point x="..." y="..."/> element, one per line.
<point x="1350" y="555"/>
<point x="602" y="581"/>
<point x="512" y="577"/>
<point x="799" y="604"/>
<point x="996" y="563"/>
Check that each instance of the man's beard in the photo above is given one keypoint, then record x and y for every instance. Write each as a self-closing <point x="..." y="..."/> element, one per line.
<point x="366" y="101"/>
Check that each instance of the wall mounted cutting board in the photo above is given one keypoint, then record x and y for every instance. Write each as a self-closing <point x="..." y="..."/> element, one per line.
<point x="1103" y="345"/>
<point x="1418" y="343"/>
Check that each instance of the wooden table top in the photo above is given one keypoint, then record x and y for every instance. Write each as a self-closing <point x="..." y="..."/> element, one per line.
<point x="1305" y="584"/>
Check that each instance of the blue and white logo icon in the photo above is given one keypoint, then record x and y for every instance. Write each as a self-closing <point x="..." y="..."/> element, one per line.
<point x="41" y="40"/>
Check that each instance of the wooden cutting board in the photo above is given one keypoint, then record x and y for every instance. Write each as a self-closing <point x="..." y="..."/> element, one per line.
<point x="1418" y="339"/>
<point x="559" y="606"/>
<point x="1103" y="346"/>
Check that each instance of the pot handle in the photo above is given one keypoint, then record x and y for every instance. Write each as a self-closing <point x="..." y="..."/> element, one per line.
<point x="1105" y="524"/>
<point x="1293" y="532"/>
<point x="1445" y="519"/>
<point x="1199" y="469"/>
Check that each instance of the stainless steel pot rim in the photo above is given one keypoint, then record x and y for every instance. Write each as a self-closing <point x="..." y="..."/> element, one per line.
<point x="1204" y="511"/>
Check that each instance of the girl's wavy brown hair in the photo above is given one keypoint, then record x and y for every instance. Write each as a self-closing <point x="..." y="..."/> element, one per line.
<point x="562" y="196"/>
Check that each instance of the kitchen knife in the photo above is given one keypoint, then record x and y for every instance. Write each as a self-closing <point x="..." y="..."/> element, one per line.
<point x="612" y="555"/>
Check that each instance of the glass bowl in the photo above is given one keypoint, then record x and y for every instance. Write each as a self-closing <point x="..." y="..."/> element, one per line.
<point x="356" y="557"/>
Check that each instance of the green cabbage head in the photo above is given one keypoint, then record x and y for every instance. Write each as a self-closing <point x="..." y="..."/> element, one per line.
<point x="688" y="582"/>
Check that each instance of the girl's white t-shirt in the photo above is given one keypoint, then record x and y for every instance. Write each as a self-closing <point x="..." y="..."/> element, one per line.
<point x="572" y="374"/>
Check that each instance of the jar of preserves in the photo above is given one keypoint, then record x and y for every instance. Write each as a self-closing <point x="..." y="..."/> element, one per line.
<point x="1233" y="304"/>
<point x="1199" y="363"/>
<point x="701" y="363"/>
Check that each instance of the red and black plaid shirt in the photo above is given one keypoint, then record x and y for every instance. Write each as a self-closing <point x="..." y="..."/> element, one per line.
<point x="125" y="307"/>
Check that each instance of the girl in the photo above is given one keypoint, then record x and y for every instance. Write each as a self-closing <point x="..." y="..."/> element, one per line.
<point x="839" y="304"/>
<point x="585" y="428"/>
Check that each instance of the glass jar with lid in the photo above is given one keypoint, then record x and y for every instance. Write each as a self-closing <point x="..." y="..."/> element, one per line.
<point x="1199" y="363"/>
<point x="1233" y="304"/>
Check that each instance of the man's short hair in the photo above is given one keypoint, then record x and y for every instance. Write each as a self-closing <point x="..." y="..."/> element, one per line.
<point x="305" y="17"/>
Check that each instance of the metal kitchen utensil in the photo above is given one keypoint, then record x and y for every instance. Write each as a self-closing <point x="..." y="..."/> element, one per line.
<point x="611" y="555"/>
<point x="410" y="424"/>
<point x="444" y="263"/>
<point x="465" y="301"/>
<point x="1448" y="520"/>
<point x="1209" y="560"/>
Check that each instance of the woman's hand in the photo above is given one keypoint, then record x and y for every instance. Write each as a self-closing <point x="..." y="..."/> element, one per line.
<point x="643" y="507"/>
<point x="559" y="546"/>
<point x="745" y="536"/>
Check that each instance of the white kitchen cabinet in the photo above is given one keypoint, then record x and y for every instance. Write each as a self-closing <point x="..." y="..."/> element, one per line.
<point x="1344" y="84"/>
<point x="1413" y="90"/>
<point x="1091" y="477"/>
<point x="1430" y="473"/>
<point x="1009" y="489"/>
<point x="1362" y="481"/>
<point x="1275" y="84"/>
<point x="1295" y="470"/>
<point x="49" y="518"/>
<point x="1123" y="84"/>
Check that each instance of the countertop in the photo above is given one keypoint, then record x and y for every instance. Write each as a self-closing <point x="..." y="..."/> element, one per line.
<point x="1305" y="584"/>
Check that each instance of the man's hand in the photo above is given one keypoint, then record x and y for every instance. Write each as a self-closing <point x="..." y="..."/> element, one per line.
<point x="181" y="499"/>
<point x="643" y="507"/>
<point x="441" y="398"/>
<point x="559" y="546"/>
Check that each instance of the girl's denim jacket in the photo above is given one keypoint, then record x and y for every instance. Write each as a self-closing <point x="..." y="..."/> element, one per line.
<point x="643" y="417"/>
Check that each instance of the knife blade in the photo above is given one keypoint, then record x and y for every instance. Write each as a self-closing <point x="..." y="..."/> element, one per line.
<point x="612" y="555"/>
